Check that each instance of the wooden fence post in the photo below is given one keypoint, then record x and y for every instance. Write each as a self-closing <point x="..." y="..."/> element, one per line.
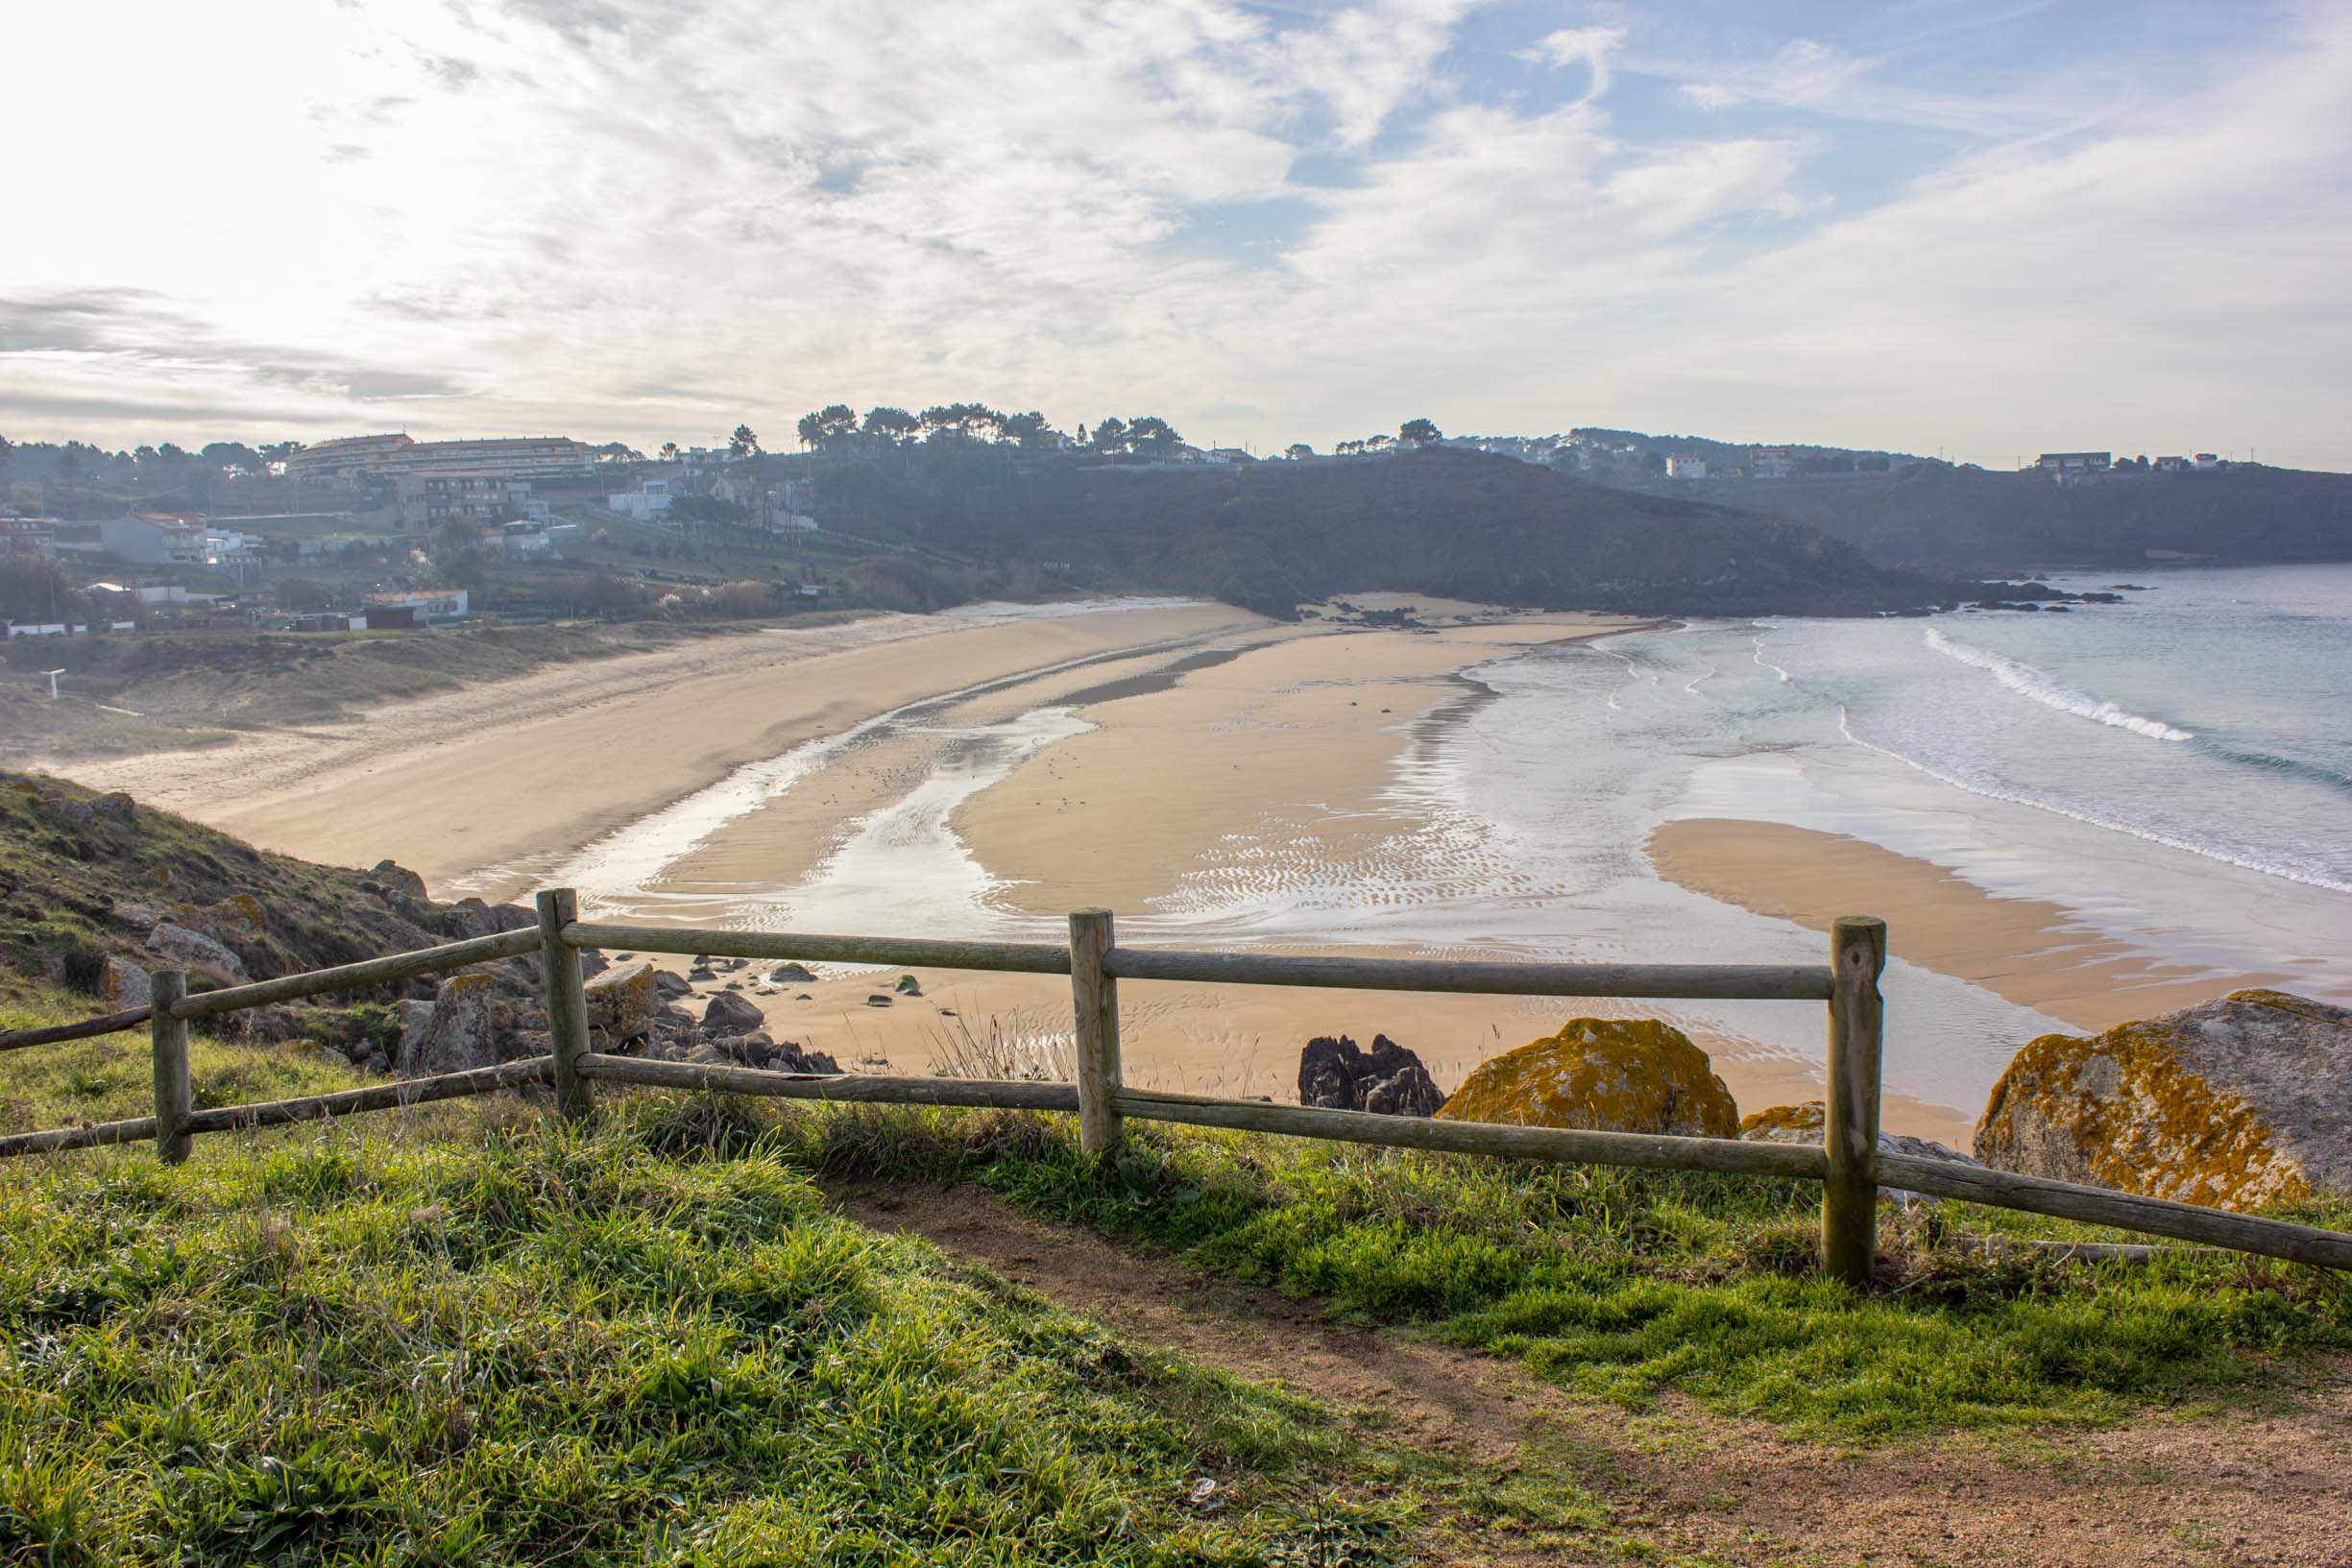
<point x="1850" y="1120"/>
<point x="559" y="963"/>
<point x="1094" y="998"/>
<point x="175" y="1094"/>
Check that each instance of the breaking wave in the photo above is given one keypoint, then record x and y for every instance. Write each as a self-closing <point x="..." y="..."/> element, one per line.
<point x="2028" y="682"/>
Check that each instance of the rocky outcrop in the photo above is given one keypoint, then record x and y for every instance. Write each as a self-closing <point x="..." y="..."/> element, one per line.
<point x="194" y="949"/>
<point x="623" y="1000"/>
<point x="397" y="879"/>
<point x="2239" y="1104"/>
<point x="1387" y="1080"/>
<point x="472" y="917"/>
<point x="1805" y="1124"/>
<point x="728" y="1013"/>
<point x="1603" y="1075"/>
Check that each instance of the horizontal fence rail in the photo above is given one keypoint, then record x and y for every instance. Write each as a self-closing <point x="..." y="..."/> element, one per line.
<point x="1848" y="1162"/>
<point x="83" y="1028"/>
<point x="908" y="953"/>
<point x="1749" y="982"/>
<point x="397" y="966"/>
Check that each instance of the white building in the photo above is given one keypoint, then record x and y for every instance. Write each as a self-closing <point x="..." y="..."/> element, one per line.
<point x="1772" y="462"/>
<point x="431" y="603"/>
<point x="1685" y="467"/>
<point x="647" y="501"/>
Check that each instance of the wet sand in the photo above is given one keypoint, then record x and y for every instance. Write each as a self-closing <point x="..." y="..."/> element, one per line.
<point x="2033" y="952"/>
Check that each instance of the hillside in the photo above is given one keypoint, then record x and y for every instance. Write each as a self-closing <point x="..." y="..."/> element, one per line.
<point x="1444" y="522"/>
<point x="1929" y="516"/>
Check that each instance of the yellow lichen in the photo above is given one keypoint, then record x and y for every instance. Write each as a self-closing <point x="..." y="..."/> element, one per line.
<point x="2140" y="1117"/>
<point x="1606" y="1074"/>
<point x="1786" y="1124"/>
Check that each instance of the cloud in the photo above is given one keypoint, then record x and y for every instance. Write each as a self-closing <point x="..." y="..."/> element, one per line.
<point x="637" y="217"/>
<point x="1587" y="46"/>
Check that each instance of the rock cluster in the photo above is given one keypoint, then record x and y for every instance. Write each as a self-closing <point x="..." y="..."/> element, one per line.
<point x="2240" y="1103"/>
<point x="1605" y="1076"/>
<point x="1389" y="1080"/>
<point x="1805" y="1123"/>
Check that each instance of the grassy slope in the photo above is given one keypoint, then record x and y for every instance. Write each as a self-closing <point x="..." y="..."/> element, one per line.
<point x="468" y="1335"/>
<point x="1623" y="1284"/>
<point x="471" y="1336"/>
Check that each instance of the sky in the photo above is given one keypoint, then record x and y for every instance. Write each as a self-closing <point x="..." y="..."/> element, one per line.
<point x="1955" y="227"/>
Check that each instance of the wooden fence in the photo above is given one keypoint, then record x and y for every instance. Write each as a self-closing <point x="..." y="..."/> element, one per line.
<point x="1848" y="1162"/>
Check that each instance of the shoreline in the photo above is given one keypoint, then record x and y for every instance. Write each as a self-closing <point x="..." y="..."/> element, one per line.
<point x="2032" y="952"/>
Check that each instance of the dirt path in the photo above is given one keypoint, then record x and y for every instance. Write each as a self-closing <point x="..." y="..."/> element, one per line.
<point x="2166" y="1491"/>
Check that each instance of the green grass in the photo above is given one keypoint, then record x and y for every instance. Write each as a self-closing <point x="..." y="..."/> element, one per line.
<point x="467" y="1333"/>
<point x="1623" y="1285"/>
<point x="482" y="1338"/>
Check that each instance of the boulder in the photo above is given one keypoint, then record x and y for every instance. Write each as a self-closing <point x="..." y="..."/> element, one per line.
<point x="461" y="1032"/>
<point x="909" y="986"/>
<point x="1805" y="1124"/>
<point x="2239" y="1104"/>
<point x="1605" y="1074"/>
<point x="194" y="949"/>
<point x="623" y="1000"/>
<point x="790" y="974"/>
<point x="669" y="984"/>
<point x="416" y="1016"/>
<point x="122" y="985"/>
<point x="137" y="916"/>
<point x="472" y="917"/>
<point x="116" y="807"/>
<point x="398" y="879"/>
<point x="878" y="999"/>
<point x="1389" y="1080"/>
<point x="728" y="1013"/>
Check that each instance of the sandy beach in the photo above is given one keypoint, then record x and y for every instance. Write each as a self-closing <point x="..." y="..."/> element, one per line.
<point x="1181" y="764"/>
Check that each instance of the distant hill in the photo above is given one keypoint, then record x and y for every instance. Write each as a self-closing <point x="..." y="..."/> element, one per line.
<point x="1928" y="514"/>
<point x="1439" y="522"/>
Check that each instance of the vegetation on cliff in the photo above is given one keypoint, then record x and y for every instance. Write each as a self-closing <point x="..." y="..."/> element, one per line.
<point x="1271" y="536"/>
<point x="1931" y="515"/>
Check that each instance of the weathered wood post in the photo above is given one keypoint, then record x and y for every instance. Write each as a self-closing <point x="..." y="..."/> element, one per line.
<point x="1850" y="1120"/>
<point x="1094" y="998"/>
<point x="559" y="963"/>
<point x="175" y="1094"/>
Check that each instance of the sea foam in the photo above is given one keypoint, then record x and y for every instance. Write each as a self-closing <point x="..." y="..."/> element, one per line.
<point x="2028" y="682"/>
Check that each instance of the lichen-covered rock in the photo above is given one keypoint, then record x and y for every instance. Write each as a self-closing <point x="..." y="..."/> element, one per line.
<point x="197" y="951"/>
<point x="1605" y="1074"/>
<point x="241" y="913"/>
<point x="2239" y="1104"/>
<point x="624" y="1000"/>
<point x="1805" y="1123"/>
<point x="1387" y="1080"/>
<point x="122" y="985"/>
